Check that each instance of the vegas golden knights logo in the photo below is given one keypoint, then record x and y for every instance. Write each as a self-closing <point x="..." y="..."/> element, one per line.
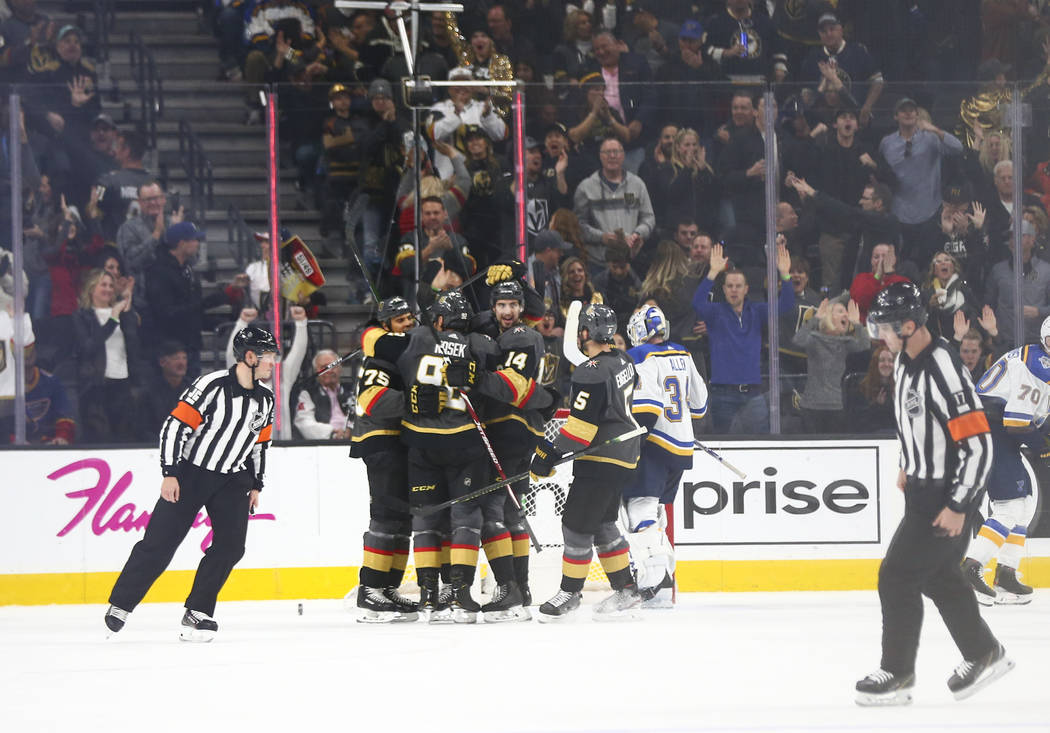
<point x="549" y="368"/>
<point x="795" y="9"/>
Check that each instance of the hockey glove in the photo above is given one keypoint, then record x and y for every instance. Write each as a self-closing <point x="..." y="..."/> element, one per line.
<point x="427" y="400"/>
<point x="509" y="270"/>
<point x="548" y="412"/>
<point x="543" y="461"/>
<point x="461" y="373"/>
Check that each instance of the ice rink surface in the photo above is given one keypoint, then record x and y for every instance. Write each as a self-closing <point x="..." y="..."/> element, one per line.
<point x="718" y="662"/>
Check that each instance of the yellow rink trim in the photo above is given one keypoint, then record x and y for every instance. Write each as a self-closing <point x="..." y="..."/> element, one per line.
<point x="333" y="582"/>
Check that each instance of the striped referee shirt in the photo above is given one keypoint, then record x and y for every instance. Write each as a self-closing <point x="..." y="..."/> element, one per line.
<point x="942" y="427"/>
<point x="220" y="426"/>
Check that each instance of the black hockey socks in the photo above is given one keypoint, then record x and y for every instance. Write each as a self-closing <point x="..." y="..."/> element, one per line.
<point x="398" y="561"/>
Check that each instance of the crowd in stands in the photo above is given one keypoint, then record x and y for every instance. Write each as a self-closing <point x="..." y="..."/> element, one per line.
<point x="645" y="166"/>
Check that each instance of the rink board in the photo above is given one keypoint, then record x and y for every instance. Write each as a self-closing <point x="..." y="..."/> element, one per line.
<point x="809" y="516"/>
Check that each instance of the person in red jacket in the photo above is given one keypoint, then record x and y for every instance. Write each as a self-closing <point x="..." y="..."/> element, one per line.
<point x="866" y="285"/>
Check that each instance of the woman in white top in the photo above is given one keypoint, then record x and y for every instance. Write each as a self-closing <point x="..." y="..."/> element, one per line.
<point x="108" y="356"/>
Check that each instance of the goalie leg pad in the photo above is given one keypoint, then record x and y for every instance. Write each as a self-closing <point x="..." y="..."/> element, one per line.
<point x="642" y="510"/>
<point x="653" y="556"/>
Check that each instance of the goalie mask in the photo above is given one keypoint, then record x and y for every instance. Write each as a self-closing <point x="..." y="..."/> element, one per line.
<point x="646" y="323"/>
<point x="893" y="306"/>
<point x="599" y="321"/>
<point x="454" y="310"/>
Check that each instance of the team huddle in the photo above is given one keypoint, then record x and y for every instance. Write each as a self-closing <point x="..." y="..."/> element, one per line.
<point x="450" y="419"/>
<point x="447" y="408"/>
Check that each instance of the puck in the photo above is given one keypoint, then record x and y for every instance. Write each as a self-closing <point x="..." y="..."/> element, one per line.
<point x="300" y="609"/>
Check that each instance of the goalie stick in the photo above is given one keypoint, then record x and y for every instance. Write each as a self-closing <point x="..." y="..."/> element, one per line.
<point x="499" y="469"/>
<point x="422" y="511"/>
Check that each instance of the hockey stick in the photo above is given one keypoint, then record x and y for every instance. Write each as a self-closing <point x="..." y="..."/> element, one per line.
<point x="422" y="511"/>
<point x="499" y="469"/>
<point x="337" y="362"/>
<point x="719" y="458"/>
<point x="348" y="235"/>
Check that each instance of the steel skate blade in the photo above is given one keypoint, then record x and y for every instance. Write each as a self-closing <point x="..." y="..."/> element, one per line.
<point x="888" y="699"/>
<point x="196" y="636"/>
<point x="990" y="675"/>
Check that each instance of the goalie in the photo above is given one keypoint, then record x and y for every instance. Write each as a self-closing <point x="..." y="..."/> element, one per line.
<point x="668" y="396"/>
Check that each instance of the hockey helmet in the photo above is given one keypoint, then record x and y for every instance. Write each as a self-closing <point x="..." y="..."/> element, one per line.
<point x="254" y="339"/>
<point x="454" y="310"/>
<point x="900" y="302"/>
<point x="1044" y="334"/>
<point x="646" y="323"/>
<point x="599" y="320"/>
<point x="507" y="290"/>
<point x="391" y="308"/>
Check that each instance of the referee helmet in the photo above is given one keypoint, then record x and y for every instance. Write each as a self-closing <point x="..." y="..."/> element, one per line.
<point x="900" y="302"/>
<point x="254" y="339"/>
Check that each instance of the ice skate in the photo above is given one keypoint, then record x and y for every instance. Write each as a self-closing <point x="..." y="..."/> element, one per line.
<point x="464" y="608"/>
<point x="1009" y="590"/>
<point x="974" y="573"/>
<point x="885" y="688"/>
<point x="409" y="609"/>
<point x="506" y="605"/>
<point x="619" y="606"/>
<point x="969" y="677"/>
<point x="432" y="606"/>
<point x="373" y="607"/>
<point x="198" y="627"/>
<point x="115" y="619"/>
<point x="561" y="607"/>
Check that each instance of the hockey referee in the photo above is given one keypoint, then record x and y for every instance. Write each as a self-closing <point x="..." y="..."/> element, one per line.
<point x="212" y="455"/>
<point x="946" y="451"/>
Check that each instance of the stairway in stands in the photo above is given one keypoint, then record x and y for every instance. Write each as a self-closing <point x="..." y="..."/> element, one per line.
<point x="186" y="58"/>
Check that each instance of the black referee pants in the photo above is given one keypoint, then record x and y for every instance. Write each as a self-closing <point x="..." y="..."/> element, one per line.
<point x="919" y="563"/>
<point x="225" y="497"/>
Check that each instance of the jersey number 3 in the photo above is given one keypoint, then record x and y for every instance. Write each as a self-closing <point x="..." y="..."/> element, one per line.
<point x="673" y="410"/>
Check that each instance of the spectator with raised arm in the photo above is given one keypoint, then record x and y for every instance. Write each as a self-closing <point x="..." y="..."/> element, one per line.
<point x="866" y="285"/>
<point x="947" y="294"/>
<point x="915" y="153"/>
<point x="139" y="239"/>
<point x="851" y="62"/>
<point x="828" y="338"/>
<point x="628" y="92"/>
<point x="687" y="187"/>
<point x="109" y="360"/>
<point x="735" y="332"/>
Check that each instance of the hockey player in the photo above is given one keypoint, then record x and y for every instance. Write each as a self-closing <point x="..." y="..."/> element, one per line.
<point x="600" y="402"/>
<point x="376" y="431"/>
<point x="447" y="458"/>
<point x="1016" y="396"/>
<point x="668" y="396"/>
<point x="513" y="429"/>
